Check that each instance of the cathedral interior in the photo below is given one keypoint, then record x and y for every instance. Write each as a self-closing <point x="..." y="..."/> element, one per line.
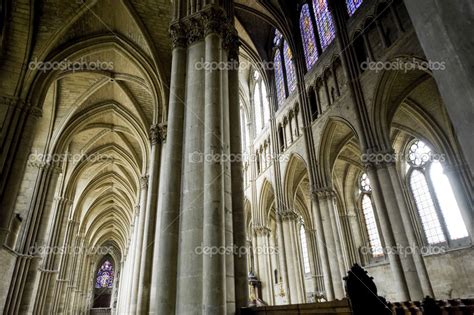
<point x="228" y="156"/>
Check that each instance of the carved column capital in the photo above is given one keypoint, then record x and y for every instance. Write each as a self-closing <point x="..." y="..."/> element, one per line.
<point x="163" y="130"/>
<point x="178" y="35"/>
<point x="213" y="20"/>
<point x="144" y="182"/>
<point x="195" y="30"/>
<point x="154" y="134"/>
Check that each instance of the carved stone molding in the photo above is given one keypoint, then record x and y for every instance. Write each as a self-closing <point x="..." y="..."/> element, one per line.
<point x="20" y="105"/>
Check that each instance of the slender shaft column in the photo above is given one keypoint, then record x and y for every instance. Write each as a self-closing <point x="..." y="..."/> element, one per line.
<point x="214" y="297"/>
<point x="15" y="138"/>
<point x="408" y="227"/>
<point x="316" y="276"/>
<point x="322" y="249"/>
<point x="149" y="232"/>
<point x="338" y="282"/>
<point x="282" y="256"/>
<point x="138" y="255"/>
<point x="388" y="235"/>
<point x="21" y="291"/>
<point x="166" y="241"/>
<point x="330" y="244"/>
<point x="191" y="225"/>
<point x="403" y="231"/>
<point x="237" y="189"/>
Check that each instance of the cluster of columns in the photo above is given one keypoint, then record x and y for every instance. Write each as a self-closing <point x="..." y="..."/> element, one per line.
<point x="208" y="213"/>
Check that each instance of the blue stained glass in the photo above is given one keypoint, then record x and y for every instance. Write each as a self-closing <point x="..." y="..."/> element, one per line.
<point x="290" y="68"/>
<point x="278" y="37"/>
<point x="324" y="22"/>
<point x="352" y="6"/>
<point x="105" y="276"/>
<point x="280" y="84"/>
<point x="307" y="33"/>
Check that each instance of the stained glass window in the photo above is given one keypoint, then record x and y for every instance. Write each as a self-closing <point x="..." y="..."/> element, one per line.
<point x="324" y="22"/>
<point x="290" y="68"/>
<point x="278" y="37"/>
<point x="280" y="83"/>
<point x="352" y="6"/>
<point x="105" y="276"/>
<point x="307" y="33"/>
<point x="257" y="97"/>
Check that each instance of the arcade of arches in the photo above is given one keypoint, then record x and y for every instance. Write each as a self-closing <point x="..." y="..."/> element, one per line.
<point x="141" y="140"/>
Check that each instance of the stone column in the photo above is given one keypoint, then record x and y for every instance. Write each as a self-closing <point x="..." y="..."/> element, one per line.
<point x="149" y="229"/>
<point x="50" y="262"/>
<point x="330" y="244"/>
<point x="317" y="278"/>
<point x="338" y="242"/>
<point x="322" y="247"/>
<point x="166" y="241"/>
<point x="138" y="254"/>
<point x="419" y="275"/>
<point x="22" y="291"/>
<point x="214" y="297"/>
<point x="441" y="28"/>
<point x="388" y="234"/>
<point x="237" y="189"/>
<point x="15" y="139"/>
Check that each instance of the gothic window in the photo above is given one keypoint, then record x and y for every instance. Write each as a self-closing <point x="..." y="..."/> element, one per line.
<point x="290" y="68"/>
<point x="435" y="202"/>
<point x="261" y="104"/>
<point x="307" y="34"/>
<point x="285" y="74"/>
<point x="369" y="217"/>
<point x="304" y="250"/>
<point x="352" y="6"/>
<point x="279" y="79"/>
<point x="105" y="276"/>
<point x="243" y="129"/>
<point x="324" y="22"/>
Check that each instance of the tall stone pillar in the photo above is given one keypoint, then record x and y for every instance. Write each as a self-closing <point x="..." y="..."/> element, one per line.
<point x="204" y="221"/>
<point x="149" y="231"/>
<point x="388" y="234"/>
<point x="399" y="216"/>
<point x="330" y="244"/>
<point x="138" y="255"/>
<point x="24" y="280"/>
<point x="441" y="28"/>
<point x="166" y="241"/>
<point x="323" y="251"/>
<point x="18" y="121"/>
